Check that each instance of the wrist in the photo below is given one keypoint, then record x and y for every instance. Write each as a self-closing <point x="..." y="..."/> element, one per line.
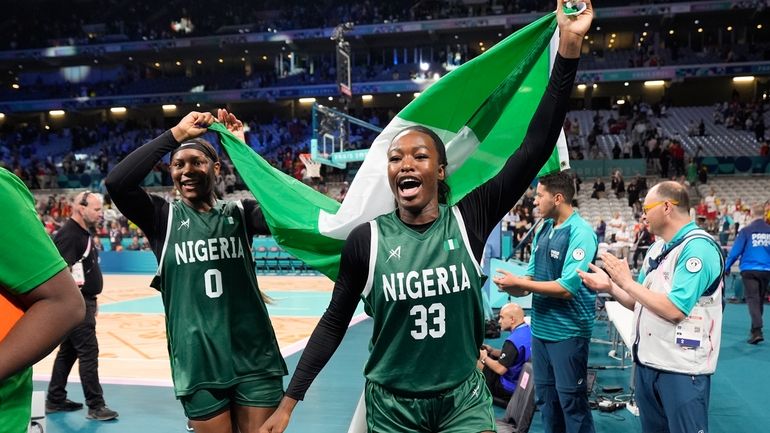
<point x="287" y="404"/>
<point x="570" y="45"/>
<point x="179" y="134"/>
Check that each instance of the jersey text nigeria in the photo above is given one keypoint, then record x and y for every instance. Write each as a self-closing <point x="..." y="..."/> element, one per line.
<point x="425" y="284"/>
<point x="208" y="250"/>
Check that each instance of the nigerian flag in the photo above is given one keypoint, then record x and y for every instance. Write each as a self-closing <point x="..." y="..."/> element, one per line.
<point x="481" y="110"/>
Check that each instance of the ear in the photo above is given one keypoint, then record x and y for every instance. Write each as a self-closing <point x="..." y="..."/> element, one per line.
<point x="217" y="167"/>
<point x="442" y="172"/>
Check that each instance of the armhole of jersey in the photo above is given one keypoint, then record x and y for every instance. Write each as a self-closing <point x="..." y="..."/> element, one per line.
<point x="374" y="236"/>
<point x="464" y="232"/>
<point x="165" y="241"/>
<point x="714" y="285"/>
<point x="239" y="204"/>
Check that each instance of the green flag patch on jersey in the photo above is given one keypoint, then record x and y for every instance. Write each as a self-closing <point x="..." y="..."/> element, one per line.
<point x="451" y="244"/>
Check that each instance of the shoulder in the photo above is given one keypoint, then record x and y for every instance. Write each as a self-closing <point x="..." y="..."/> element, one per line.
<point x="361" y="232"/>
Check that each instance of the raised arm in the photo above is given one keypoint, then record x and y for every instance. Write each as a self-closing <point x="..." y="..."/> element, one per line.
<point x="124" y="181"/>
<point x="486" y="205"/>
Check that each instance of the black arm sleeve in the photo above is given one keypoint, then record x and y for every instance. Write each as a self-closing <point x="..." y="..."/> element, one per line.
<point x="483" y="207"/>
<point x="147" y="211"/>
<point x="255" y="219"/>
<point x="508" y="354"/>
<point x="328" y="334"/>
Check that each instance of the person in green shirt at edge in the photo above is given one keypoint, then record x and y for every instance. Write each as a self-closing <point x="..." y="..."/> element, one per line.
<point x="563" y="309"/>
<point x="39" y="301"/>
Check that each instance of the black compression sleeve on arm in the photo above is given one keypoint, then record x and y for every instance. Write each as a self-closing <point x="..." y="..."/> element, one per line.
<point x="255" y="219"/>
<point x="483" y="207"/>
<point x="124" y="181"/>
<point x="328" y="334"/>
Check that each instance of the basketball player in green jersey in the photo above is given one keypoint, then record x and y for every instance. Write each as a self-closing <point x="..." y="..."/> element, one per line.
<point x="225" y="361"/>
<point x="417" y="272"/>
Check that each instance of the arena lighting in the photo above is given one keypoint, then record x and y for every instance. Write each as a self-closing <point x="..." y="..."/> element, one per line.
<point x="366" y="98"/>
<point x="747" y="79"/>
<point x="56" y="113"/>
<point x="306" y="100"/>
<point x="398" y="95"/>
<point x="331" y="98"/>
<point x="759" y="26"/>
<point x="168" y="107"/>
<point x="654" y="83"/>
<point x="621" y="101"/>
<point x="2" y="115"/>
<point x="424" y="66"/>
<point x="700" y="29"/>
<point x="729" y="28"/>
<point x="626" y="84"/>
<point x="581" y="86"/>
<point x="118" y="110"/>
<point x="596" y="86"/>
<point x="178" y="63"/>
<point x="416" y="94"/>
<point x="15" y="86"/>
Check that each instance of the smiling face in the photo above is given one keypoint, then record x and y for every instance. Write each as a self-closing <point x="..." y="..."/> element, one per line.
<point x="414" y="170"/>
<point x="194" y="175"/>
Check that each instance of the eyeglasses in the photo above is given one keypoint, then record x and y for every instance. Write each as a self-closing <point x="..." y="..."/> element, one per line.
<point x="650" y="206"/>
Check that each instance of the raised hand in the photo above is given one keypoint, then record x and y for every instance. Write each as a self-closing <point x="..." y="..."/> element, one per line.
<point x="596" y="280"/>
<point x="232" y="123"/>
<point x="192" y="125"/>
<point x="573" y="28"/>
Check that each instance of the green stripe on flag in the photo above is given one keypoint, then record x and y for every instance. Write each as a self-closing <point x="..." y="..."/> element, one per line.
<point x="290" y="207"/>
<point x="482" y="110"/>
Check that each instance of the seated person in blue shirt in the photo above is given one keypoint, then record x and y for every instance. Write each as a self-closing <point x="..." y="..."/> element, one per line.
<point x="501" y="367"/>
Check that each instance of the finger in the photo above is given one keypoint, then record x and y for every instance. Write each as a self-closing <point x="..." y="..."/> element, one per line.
<point x="503" y="271"/>
<point x="594" y="268"/>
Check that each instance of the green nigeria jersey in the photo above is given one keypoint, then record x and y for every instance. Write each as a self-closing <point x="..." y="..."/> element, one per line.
<point x="219" y="332"/>
<point x="424" y="293"/>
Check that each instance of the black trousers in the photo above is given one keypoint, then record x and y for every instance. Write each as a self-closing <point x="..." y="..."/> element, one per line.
<point x="755" y="288"/>
<point x="493" y="383"/>
<point x="80" y="345"/>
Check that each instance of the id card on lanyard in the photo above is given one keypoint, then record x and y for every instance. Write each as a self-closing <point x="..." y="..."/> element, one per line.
<point x="689" y="332"/>
<point x="78" y="274"/>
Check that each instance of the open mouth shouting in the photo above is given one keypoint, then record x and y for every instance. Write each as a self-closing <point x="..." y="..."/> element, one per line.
<point x="409" y="187"/>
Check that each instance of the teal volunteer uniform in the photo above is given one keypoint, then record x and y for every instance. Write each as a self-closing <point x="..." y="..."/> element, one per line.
<point x="561" y="328"/>
<point x="675" y="361"/>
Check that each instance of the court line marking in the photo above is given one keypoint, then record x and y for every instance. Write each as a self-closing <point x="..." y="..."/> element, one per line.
<point x="167" y="383"/>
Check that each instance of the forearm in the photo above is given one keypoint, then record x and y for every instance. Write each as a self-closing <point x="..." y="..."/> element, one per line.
<point x="658" y="303"/>
<point x="495" y="366"/>
<point x="622" y="297"/>
<point x="546" y="288"/>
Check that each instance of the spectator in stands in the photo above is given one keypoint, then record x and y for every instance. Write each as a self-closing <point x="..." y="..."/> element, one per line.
<point x="617" y="184"/>
<point x="701" y="128"/>
<point x="599" y="189"/>
<point x="633" y="195"/>
<point x="759" y="129"/>
<point x="703" y="174"/>
<point x="615" y="224"/>
<point x="712" y="210"/>
<point x="673" y="374"/>
<point x="600" y="230"/>
<point x="134" y="245"/>
<point x="764" y="148"/>
<point x="39" y="301"/>
<point x="501" y="367"/>
<point x="642" y="240"/>
<point x="725" y="225"/>
<point x="752" y="246"/>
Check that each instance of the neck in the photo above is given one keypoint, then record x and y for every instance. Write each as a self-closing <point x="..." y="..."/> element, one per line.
<point x="423" y="216"/>
<point x="200" y="206"/>
<point x="565" y="211"/>
<point x="79" y="219"/>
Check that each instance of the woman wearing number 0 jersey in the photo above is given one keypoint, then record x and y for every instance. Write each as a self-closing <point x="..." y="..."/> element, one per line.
<point x="417" y="271"/>
<point x="225" y="361"/>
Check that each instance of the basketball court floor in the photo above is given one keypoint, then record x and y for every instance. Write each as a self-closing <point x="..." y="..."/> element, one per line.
<point x="134" y="368"/>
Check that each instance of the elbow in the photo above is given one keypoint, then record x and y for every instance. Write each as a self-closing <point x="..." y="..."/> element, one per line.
<point x="676" y="316"/>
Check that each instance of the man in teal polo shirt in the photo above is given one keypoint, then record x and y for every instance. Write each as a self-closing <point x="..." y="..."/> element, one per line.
<point x="563" y="310"/>
<point x="677" y="303"/>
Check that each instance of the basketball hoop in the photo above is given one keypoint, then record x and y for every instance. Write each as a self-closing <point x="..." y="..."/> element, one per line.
<point x="312" y="168"/>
